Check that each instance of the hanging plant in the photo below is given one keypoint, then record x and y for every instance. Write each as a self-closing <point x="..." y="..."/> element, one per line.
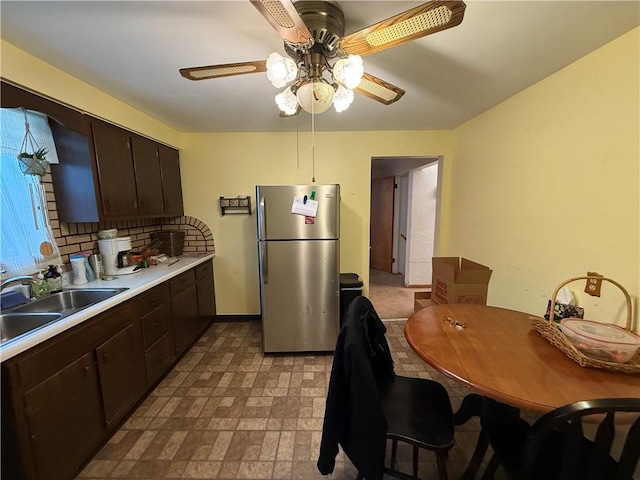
<point x="33" y="163"/>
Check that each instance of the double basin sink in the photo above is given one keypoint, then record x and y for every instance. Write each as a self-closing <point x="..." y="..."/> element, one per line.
<point x="36" y="314"/>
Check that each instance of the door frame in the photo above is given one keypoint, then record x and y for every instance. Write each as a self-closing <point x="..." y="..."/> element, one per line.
<point x="395" y="166"/>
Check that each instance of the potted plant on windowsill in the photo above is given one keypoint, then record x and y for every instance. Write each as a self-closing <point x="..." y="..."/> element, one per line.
<point x="34" y="163"/>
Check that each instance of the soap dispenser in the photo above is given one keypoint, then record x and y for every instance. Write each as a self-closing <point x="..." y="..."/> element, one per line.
<point x="54" y="279"/>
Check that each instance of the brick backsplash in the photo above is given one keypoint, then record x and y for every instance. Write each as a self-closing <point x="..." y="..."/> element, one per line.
<point x="75" y="237"/>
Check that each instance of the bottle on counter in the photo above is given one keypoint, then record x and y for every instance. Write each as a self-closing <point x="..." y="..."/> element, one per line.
<point x="79" y="269"/>
<point x="54" y="279"/>
<point x="42" y="286"/>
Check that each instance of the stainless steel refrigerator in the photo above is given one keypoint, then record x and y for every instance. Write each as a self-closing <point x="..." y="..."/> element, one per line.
<point x="299" y="257"/>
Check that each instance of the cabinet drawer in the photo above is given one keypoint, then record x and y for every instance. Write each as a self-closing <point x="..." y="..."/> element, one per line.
<point x="156" y="323"/>
<point x="154" y="297"/>
<point x="182" y="281"/>
<point x="158" y="357"/>
<point x="204" y="270"/>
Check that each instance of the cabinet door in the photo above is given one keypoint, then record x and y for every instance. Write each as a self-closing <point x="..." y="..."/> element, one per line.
<point x="122" y="372"/>
<point x="186" y="324"/>
<point x="171" y="182"/>
<point x="148" y="177"/>
<point x="115" y="170"/>
<point x="64" y="418"/>
<point x="206" y="292"/>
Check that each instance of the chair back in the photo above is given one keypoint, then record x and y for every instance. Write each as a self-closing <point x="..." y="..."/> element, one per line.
<point x="557" y="441"/>
<point x="353" y="414"/>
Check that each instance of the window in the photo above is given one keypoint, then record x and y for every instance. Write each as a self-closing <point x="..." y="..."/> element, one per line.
<point x="27" y="244"/>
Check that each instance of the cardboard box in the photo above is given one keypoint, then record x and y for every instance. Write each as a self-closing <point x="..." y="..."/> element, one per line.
<point x="421" y="300"/>
<point x="458" y="280"/>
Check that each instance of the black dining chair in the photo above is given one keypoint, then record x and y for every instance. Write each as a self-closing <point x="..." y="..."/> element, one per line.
<point x="556" y="446"/>
<point x="368" y="404"/>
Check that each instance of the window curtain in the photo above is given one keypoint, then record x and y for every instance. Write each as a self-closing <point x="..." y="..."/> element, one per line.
<point x="27" y="244"/>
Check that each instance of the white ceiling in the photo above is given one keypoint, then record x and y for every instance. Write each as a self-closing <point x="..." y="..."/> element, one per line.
<point x="133" y="50"/>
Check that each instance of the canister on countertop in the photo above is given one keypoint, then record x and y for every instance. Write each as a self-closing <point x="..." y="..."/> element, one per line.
<point x="79" y="269"/>
<point x="95" y="262"/>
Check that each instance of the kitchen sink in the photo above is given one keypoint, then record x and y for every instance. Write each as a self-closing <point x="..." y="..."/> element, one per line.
<point x="68" y="301"/>
<point x="38" y="313"/>
<point x="12" y="325"/>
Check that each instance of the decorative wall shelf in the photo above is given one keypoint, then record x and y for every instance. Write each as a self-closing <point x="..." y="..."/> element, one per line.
<point x="235" y="205"/>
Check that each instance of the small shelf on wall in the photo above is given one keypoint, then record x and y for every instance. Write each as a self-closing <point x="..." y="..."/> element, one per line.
<point x="235" y="205"/>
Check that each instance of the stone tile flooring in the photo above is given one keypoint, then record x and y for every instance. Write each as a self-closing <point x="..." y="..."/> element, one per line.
<point x="227" y="411"/>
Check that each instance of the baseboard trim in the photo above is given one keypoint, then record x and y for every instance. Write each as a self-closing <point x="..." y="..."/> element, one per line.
<point x="419" y="286"/>
<point x="236" y="318"/>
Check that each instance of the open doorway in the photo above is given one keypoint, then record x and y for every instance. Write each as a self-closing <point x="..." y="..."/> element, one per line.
<point x="404" y="227"/>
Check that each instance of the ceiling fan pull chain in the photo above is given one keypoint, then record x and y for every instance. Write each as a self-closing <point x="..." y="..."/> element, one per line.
<point x="313" y="146"/>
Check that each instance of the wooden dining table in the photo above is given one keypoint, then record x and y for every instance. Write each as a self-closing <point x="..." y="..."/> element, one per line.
<point x="497" y="352"/>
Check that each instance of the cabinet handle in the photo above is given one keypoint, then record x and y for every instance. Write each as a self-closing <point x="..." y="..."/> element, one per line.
<point x="105" y="358"/>
<point x="156" y="325"/>
<point x="86" y="370"/>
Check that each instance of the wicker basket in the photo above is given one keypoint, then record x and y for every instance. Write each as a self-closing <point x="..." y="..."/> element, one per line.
<point x="549" y="329"/>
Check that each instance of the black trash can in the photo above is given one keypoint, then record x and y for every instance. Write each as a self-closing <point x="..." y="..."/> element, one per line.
<point x="350" y="288"/>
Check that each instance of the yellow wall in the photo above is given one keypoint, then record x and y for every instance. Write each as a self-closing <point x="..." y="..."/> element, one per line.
<point x="215" y="165"/>
<point x="545" y="185"/>
<point x="542" y="187"/>
<point x="30" y="72"/>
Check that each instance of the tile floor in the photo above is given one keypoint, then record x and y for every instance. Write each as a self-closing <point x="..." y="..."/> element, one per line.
<point x="227" y="411"/>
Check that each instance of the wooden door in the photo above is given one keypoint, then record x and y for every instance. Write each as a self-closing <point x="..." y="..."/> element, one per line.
<point x="381" y="235"/>
<point x="186" y="322"/>
<point x="115" y="170"/>
<point x="148" y="177"/>
<point x="122" y="373"/>
<point x="171" y="182"/>
<point x="64" y="418"/>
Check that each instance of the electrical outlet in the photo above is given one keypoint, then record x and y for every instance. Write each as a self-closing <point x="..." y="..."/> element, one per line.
<point x="593" y="284"/>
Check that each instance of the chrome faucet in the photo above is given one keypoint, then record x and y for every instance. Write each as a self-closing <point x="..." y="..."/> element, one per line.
<point x="24" y="280"/>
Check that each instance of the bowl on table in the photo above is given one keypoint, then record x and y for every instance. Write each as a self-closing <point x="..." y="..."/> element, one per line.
<point x="601" y="341"/>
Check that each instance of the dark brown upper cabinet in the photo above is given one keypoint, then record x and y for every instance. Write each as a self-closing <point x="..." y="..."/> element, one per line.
<point x="114" y="161"/>
<point x="105" y="172"/>
<point x="146" y="163"/>
<point x="171" y="180"/>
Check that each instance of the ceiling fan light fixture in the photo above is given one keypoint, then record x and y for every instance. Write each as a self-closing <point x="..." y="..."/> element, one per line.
<point x="287" y="101"/>
<point x="281" y="70"/>
<point x="342" y="98"/>
<point x="315" y="96"/>
<point x="349" y="71"/>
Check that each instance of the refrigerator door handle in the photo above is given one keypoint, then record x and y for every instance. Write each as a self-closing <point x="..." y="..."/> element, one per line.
<point x="262" y="218"/>
<point x="264" y="260"/>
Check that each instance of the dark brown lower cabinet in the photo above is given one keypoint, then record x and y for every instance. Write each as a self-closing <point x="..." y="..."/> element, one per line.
<point x="206" y="292"/>
<point x="63" y="398"/>
<point x="64" y="419"/>
<point x="121" y="366"/>
<point x="186" y="324"/>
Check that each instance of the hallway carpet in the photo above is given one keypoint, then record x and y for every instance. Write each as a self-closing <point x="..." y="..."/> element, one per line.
<point x="227" y="411"/>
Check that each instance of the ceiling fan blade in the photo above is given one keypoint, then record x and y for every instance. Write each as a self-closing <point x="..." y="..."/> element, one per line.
<point x="379" y="90"/>
<point x="285" y="19"/>
<point x="423" y="20"/>
<point x="223" y="70"/>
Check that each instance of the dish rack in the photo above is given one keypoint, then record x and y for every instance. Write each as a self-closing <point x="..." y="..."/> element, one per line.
<point x="550" y="330"/>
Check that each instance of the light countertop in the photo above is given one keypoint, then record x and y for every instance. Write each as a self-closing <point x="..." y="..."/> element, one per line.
<point x="135" y="283"/>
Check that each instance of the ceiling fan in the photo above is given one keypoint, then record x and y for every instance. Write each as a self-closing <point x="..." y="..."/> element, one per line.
<point x="313" y="34"/>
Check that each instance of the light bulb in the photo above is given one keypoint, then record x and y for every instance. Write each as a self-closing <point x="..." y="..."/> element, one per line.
<point x="315" y="97"/>
<point x="281" y="70"/>
<point x="342" y="98"/>
<point x="287" y="101"/>
<point x="349" y="71"/>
